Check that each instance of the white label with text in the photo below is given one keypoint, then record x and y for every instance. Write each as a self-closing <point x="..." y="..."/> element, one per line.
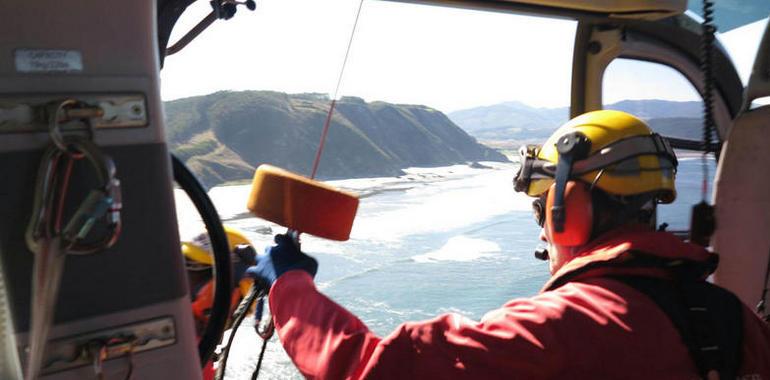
<point x="48" y="61"/>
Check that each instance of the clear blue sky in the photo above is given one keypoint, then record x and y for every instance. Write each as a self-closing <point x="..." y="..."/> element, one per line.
<point x="446" y="58"/>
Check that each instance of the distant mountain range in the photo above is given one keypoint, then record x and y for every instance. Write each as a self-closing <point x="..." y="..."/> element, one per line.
<point x="224" y="136"/>
<point x="517" y="122"/>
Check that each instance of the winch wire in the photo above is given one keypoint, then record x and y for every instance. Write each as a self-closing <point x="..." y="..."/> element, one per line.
<point x="333" y="103"/>
<point x="239" y="315"/>
<point x="316" y="161"/>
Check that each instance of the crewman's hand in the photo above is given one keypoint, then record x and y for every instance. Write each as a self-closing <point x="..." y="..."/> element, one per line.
<point x="279" y="259"/>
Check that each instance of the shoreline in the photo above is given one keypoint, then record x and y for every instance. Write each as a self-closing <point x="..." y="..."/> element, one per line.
<point x="415" y="174"/>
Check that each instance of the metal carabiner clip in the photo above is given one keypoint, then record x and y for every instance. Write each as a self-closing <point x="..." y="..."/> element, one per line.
<point x="44" y="235"/>
<point x="105" y="201"/>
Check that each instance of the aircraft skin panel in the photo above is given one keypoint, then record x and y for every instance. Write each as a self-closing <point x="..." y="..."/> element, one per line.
<point x="580" y="9"/>
<point x="123" y="57"/>
<point x="63" y="86"/>
<point x="61" y="50"/>
<point x="613" y="6"/>
<point x="160" y="363"/>
<point x="136" y="271"/>
<point x="113" y="36"/>
<point x="742" y="238"/>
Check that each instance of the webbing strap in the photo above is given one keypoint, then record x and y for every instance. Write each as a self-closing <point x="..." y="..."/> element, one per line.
<point x="572" y="147"/>
<point x="614" y="153"/>
<point x="709" y="320"/>
<point x="624" y="149"/>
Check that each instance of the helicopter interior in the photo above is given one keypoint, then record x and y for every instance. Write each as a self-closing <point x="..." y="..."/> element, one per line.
<point x="89" y="77"/>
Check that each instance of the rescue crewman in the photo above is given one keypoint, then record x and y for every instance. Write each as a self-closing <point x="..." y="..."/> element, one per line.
<point x="624" y="300"/>
<point x="199" y="261"/>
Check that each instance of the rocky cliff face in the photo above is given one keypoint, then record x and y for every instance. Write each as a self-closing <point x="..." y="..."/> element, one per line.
<point x="224" y="136"/>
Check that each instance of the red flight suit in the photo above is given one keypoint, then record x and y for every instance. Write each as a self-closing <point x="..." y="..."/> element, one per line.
<point x="582" y="325"/>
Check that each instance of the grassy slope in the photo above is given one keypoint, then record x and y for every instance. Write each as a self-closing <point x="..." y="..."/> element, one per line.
<point x="225" y="135"/>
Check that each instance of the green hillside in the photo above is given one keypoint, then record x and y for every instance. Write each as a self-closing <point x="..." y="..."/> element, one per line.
<point x="224" y="136"/>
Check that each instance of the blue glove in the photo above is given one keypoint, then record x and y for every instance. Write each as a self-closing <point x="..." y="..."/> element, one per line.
<point x="279" y="259"/>
<point x="244" y="257"/>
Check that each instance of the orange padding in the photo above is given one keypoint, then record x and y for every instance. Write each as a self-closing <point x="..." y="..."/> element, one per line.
<point x="579" y="211"/>
<point x="302" y="204"/>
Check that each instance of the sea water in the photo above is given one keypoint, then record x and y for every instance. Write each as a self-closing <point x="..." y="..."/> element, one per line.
<point x="438" y="240"/>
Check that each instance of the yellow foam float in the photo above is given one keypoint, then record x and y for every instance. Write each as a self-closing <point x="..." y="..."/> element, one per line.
<point x="302" y="204"/>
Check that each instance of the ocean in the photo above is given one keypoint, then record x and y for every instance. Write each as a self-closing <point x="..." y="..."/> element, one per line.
<point x="452" y="239"/>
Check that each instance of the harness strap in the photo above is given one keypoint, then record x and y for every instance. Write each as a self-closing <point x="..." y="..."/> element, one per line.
<point x="612" y="154"/>
<point x="572" y="147"/>
<point x="709" y="320"/>
<point x="621" y="150"/>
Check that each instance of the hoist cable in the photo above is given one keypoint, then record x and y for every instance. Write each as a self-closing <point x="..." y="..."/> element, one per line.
<point x="333" y="103"/>
<point x="761" y="305"/>
<point x="239" y="314"/>
<point x="707" y="51"/>
<point x="255" y="374"/>
<point x="321" y="144"/>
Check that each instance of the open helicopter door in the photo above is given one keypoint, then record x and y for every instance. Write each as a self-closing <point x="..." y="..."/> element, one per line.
<point x="89" y="73"/>
<point x="674" y="42"/>
<point x="742" y="237"/>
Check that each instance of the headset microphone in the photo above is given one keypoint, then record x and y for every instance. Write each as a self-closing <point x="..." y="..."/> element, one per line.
<point x="541" y="254"/>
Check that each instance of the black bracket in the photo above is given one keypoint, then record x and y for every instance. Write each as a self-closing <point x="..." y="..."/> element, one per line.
<point x="571" y="147"/>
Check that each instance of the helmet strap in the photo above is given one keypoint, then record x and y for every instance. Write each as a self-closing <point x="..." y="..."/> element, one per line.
<point x="571" y="147"/>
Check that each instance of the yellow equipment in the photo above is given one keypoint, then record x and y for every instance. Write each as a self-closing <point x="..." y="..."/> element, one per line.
<point x="625" y="158"/>
<point x="302" y="204"/>
<point x="199" y="250"/>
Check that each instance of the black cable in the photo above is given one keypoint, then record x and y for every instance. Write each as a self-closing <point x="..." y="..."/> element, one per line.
<point x="707" y="52"/>
<point x="259" y="362"/>
<point x="238" y="316"/>
<point x="761" y="304"/>
<point x="130" y="365"/>
<point x="223" y="285"/>
<point x="702" y="221"/>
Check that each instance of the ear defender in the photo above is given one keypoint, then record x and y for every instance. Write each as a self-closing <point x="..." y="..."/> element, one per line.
<point x="578" y="213"/>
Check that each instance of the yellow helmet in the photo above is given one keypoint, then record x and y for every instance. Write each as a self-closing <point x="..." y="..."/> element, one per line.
<point x="198" y="251"/>
<point x="624" y="158"/>
<point x="198" y="255"/>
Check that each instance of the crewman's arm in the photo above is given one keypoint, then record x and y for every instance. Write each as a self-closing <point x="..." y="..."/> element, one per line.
<point x="325" y="341"/>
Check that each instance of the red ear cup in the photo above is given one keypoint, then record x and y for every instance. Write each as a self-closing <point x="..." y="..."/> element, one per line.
<point x="579" y="215"/>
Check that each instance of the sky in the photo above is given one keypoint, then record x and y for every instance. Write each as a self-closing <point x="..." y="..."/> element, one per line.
<point x="446" y="58"/>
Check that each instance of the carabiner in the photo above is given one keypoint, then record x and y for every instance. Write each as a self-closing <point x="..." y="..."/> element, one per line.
<point x="49" y="242"/>
<point x="105" y="201"/>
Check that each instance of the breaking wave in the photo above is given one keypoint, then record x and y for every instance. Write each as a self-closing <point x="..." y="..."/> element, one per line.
<point x="460" y="248"/>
